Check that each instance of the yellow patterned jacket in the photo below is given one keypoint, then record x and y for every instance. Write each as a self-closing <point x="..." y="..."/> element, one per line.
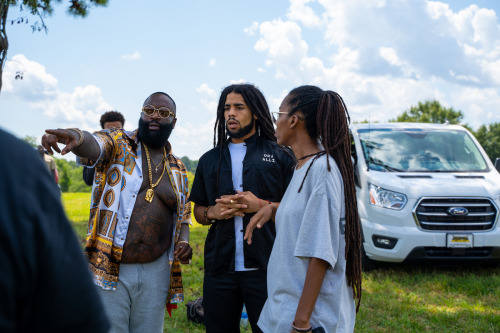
<point x="117" y="181"/>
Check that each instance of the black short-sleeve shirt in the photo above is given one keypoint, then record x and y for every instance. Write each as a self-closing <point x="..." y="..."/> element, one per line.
<point x="267" y="170"/>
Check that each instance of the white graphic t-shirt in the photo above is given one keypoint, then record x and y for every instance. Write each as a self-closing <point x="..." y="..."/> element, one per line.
<point x="237" y="152"/>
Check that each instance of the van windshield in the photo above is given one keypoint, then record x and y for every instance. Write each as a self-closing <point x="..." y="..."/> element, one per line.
<point x="420" y="150"/>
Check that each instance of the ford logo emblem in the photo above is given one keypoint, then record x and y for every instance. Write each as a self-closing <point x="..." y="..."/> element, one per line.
<point x="458" y="211"/>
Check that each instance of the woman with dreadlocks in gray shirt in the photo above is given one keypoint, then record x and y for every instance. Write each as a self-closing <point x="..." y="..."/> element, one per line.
<point x="314" y="272"/>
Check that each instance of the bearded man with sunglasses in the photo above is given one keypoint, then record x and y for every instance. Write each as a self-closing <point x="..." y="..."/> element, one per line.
<point x="138" y="229"/>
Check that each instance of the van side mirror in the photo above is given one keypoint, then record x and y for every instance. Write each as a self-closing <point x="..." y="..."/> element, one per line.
<point x="497" y="164"/>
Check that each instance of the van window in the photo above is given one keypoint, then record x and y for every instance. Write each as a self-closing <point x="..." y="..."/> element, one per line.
<point x="420" y="150"/>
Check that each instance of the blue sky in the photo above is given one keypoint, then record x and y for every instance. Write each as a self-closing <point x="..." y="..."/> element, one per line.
<point x="382" y="56"/>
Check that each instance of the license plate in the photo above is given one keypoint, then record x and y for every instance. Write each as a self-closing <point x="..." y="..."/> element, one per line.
<point x="459" y="240"/>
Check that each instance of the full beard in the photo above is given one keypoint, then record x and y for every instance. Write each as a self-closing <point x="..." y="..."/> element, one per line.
<point x="242" y="131"/>
<point x="154" y="139"/>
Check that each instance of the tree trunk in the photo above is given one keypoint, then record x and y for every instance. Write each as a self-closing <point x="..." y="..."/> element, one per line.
<point x="4" y="43"/>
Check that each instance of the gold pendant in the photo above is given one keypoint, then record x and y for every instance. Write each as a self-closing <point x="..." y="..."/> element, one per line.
<point x="149" y="195"/>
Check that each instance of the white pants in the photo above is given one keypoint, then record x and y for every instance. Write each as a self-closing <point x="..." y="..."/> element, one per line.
<point x="138" y="303"/>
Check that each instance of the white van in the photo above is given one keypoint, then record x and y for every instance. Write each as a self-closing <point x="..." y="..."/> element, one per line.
<point x="425" y="192"/>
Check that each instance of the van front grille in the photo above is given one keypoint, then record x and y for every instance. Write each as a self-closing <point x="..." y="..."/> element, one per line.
<point x="456" y="214"/>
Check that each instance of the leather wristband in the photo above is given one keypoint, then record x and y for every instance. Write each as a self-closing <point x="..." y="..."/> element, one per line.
<point x="205" y="212"/>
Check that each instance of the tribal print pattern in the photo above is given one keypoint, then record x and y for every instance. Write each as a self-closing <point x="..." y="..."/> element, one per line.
<point x="117" y="165"/>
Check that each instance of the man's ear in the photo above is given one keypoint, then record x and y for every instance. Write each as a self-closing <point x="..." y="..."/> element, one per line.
<point x="173" y="123"/>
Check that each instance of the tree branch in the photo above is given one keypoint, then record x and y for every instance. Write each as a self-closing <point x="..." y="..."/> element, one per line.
<point x="4" y="43"/>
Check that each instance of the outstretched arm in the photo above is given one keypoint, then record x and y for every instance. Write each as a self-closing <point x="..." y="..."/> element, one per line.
<point x="85" y="146"/>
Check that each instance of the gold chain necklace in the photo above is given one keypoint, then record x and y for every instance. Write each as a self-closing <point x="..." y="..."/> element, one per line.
<point x="157" y="166"/>
<point x="150" y="193"/>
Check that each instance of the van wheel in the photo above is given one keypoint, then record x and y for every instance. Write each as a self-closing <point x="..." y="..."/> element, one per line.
<point x="367" y="264"/>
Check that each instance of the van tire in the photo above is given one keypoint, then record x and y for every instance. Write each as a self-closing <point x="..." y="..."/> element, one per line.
<point x="367" y="264"/>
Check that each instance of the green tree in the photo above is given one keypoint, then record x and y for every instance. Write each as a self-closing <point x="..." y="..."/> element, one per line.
<point x="70" y="176"/>
<point x="190" y="165"/>
<point x="64" y="178"/>
<point x="187" y="162"/>
<point x="366" y="121"/>
<point x="31" y="140"/>
<point x="77" y="183"/>
<point x="190" y="180"/>
<point x="39" y="9"/>
<point x="430" y="112"/>
<point x="489" y="137"/>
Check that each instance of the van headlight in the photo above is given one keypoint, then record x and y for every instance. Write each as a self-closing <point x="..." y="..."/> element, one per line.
<point x="386" y="199"/>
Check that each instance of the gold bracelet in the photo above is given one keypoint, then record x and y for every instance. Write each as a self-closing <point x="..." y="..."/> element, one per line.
<point x="81" y="136"/>
<point x="182" y="242"/>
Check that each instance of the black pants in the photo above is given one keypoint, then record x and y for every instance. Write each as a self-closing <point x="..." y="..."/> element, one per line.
<point x="224" y="295"/>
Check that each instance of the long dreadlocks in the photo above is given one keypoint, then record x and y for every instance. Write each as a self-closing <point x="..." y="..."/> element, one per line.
<point x="327" y="119"/>
<point x="257" y="104"/>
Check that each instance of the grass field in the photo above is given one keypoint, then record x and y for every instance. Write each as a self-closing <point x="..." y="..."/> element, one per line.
<point x="396" y="298"/>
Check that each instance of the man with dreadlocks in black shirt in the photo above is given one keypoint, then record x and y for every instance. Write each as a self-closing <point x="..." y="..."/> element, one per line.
<point x="245" y="171"/>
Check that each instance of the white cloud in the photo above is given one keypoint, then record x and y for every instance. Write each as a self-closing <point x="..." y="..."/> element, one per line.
<point x="300" y="12"/>
<point x="209" y="104"/>
<point x="476" y="31"/>
<point x="252" y="29"/>
<point x="80" y="108"/>
<point x="240" y="81"/>
<point x="275" y="101"/>
<point x="347" y="59"/>
<point x="182" y="138"/>
<point x="209" y="97"/>
<point x="35" y="85"/>
<point x="281" y="39"/>
<point x="132" y="56"/>
<point x="384" y="56"/>
<point x="493" y="68"/>
<point x="391" y="56"/>
<point x="469" y="78"/>
<point x="211" y="62"/>
<point x="205" y="89"/>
